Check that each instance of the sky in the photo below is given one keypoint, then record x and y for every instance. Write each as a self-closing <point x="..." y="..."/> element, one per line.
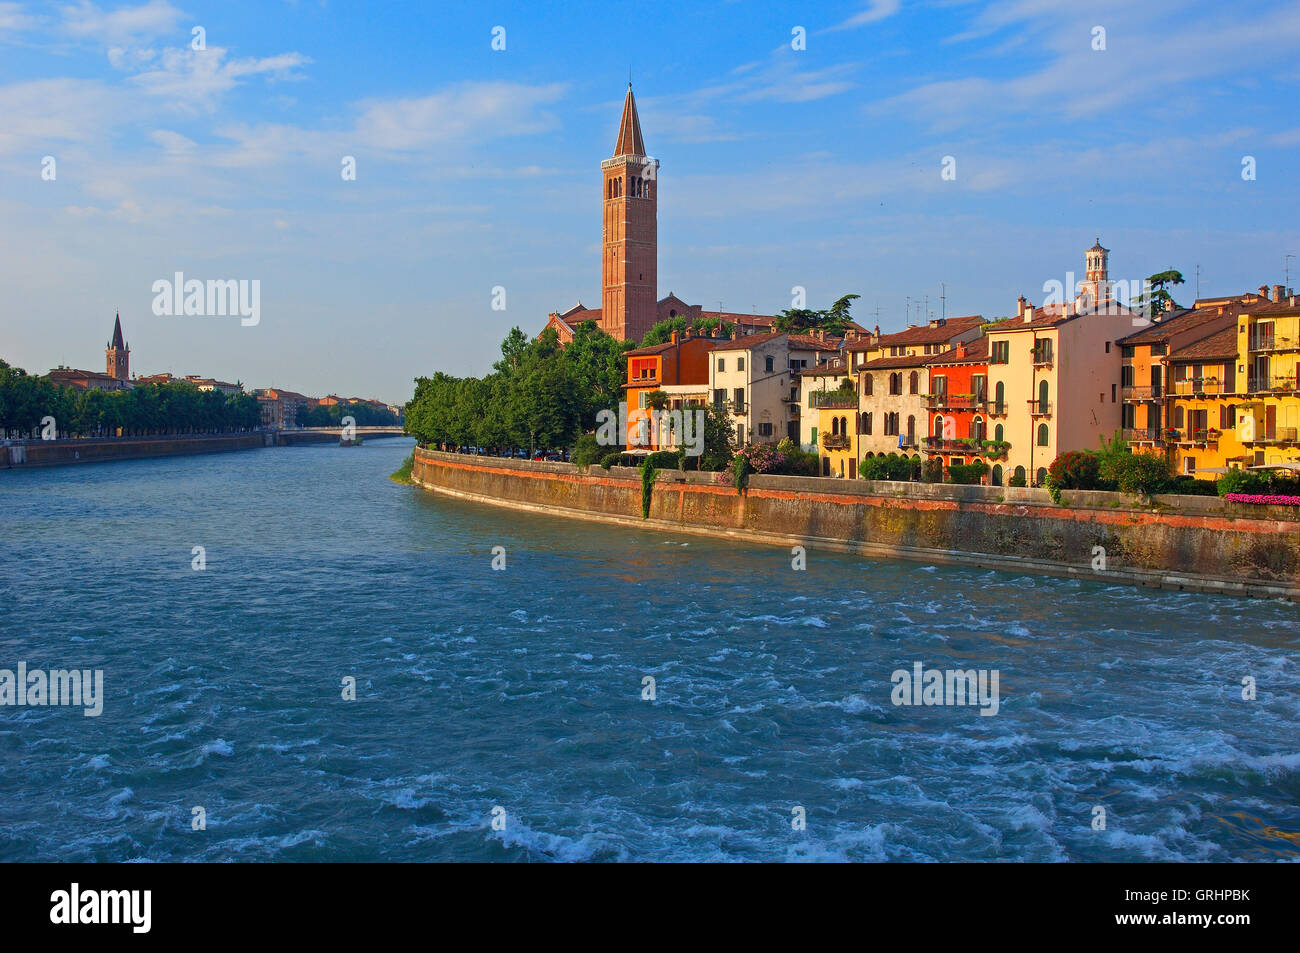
<point x="801" y="145"/>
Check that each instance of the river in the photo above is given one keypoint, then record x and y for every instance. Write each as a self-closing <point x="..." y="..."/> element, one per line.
<point x="499" y="714"/>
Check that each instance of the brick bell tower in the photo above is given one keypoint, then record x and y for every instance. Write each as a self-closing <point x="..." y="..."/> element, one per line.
<point x="629" y="267"/>
<point x="118" y="354"/>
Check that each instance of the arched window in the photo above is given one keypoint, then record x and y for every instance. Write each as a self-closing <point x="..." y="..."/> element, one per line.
<point x="844" y="426"/>
<point x="1000" y="398"/>
<point x="1042" y="435"/>
<point x="1040" y="478"/>
<point x="1042" y="397"/>
<point x="911" y="430"/>
<point x="1019" y="475"/>
<point x="997" y="474"/>
<point x="913" y="383"/>
<point x="977" y="429"/>
<point x="997" y="433"/>
<point x="835" y="426"/>
<point x="938" y="425"/>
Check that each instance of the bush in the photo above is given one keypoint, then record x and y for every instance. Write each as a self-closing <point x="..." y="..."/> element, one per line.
<point x="1187" y="485"/>
<point x="1075" y="470"/>
<point x="1140" y="473"/>
<point x="663" y="460"/>
<point x="611" y="459"/>
<point x="932" y="470"/>
<point x="798" y="463"/>
<point x="403" y="473"/>
<point x="1017" y="479"/>
<point x="891" y="467"/>
<point x="1239" y="481"/>
<point x="968" y="473"/>
<point x="586" y="451"/>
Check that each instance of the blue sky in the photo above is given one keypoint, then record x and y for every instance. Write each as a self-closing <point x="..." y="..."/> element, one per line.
<point x="476" y="168"/>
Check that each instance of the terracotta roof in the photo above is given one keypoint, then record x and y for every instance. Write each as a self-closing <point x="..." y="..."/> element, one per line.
<point x="669" y="345"/>
<point x="976" y="352"/>
<point x="1271" y="307"/>
<point x="924" y="333"/>
<point x="1220" y="345"/>
<point x="1052" y="315"/>
<point x="811" y="343"/>
<point x="1170" y="323"/>
<point x="890" y="363"/>
<point x="748" y="341"/>
<point x="831" y="368"/>
<point x="629" y="129"/>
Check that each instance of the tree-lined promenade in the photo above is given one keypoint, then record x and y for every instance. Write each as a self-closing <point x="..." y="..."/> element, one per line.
<point x="175" y="407"/>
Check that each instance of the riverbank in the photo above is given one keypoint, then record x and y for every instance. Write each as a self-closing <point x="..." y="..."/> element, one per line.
<point x="43" y="453"/>
<point x="1176" y="542"/>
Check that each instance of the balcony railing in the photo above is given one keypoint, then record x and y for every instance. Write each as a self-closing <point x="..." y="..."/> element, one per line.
<point x="1200" y="385"/>
<point x="835" y="400"/>
<point x="1040" y="408"/>
<point x="1141" y="392"/>
<point x="955" y="402"/>
<point x="835" y="441"/>
<point x="1275" y="343"/>
<point x="1264" y="385"/>
<point x="997" y="410"/>
<point x="1279" y="435"/>
<point x="1143" y="435"/>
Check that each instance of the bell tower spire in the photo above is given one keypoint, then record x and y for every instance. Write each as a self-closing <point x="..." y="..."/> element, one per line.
<point x="630" y="263"/>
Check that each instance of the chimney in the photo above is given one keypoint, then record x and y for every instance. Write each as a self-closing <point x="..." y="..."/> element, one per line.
<point x="674" y="337"/>
<point x="735" y="333"/>
<point x="961" y="350"/>
<point x="1029" y="311"/>
<point x="821" y="334"/>
<point x="1277" y="294"/>
<point x="1263" y="292"/>
<point x="1020" y="307"/>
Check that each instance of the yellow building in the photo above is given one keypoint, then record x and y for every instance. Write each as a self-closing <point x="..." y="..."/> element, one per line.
<point x="837" y="426"/>
<point x="1268" y="355"/>
<point x="1206" y="402"/>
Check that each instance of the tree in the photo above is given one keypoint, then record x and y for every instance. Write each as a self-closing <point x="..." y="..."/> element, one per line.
<point x="1159" y="299"/>
<point x="834" y="320"/>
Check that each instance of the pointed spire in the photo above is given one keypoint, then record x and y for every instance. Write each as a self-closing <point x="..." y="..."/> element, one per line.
<point x="629" y="129"/>
<point x="117" y="333"/>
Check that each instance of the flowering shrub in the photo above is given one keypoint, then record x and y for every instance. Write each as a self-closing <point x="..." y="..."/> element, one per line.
<point x="761" y="457"/>
<point x="1262" y="499"/>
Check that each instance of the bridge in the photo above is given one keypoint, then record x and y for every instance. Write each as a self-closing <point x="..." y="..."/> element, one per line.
<point x="288" y="438"/>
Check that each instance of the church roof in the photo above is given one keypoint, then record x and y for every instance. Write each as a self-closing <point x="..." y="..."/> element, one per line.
<point x="630" y="142"/>
<point x="117" y="341"/>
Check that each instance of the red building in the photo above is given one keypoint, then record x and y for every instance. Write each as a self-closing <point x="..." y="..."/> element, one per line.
<point x="957" y="406"/>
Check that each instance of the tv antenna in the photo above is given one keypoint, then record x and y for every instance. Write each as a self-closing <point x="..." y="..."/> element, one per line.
<point x="943" y="300"/>
<point x="1286" y="269"/>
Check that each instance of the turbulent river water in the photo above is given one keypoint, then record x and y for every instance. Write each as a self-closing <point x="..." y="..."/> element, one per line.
<point x="502" y="714"/>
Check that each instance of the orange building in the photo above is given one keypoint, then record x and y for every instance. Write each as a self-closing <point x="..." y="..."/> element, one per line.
<point x="957" y="407"/>
<point x="679" y="368"/>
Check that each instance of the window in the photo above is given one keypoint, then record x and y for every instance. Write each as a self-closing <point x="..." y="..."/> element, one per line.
<point x="1000" y="399"/>
<point x="1001" y="352"/>
<point x="997" y="474"/>
<point x="1042" y="435"/>
<point x="1043" y="403"/>
<point x="977" y="429"/>
<point x="814" y="435"/>
<point x="719" y="398"/>
<point x="1227" y="417"/>
<point x="1043" y="351"/>
<point x="769" y="365"/>
<point x="998" y="432"/>
<point x="867" y="385"/>
<point x="1127" y="351"/>
<point x="722" y="363"/>
<point x="896" y="383"/>
<point x="867" y="423"/>
<point x="765" y="430"/>
<point x="740" y="363"/>
<point x="938" y="426"/>
<point x="835" y="426"/>
<point x="740" y="434"/>
<point x="1112" y="393"/>
<point x="911" y="430"/>
<point x="1107" y="347"/>
<point x="913" y="382"/>
<point x="1178" y="417"/>
<point x="810" y="399"/>
<point x="740" y="400"/>
<point x="1040" y="478"/>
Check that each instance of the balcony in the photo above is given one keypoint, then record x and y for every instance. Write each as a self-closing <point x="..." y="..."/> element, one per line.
<point x="1277" y="343"/>
<point x="997" y="410"/>
<point x="835" y="400"/>
<point x="835" y="441"/>
<point x="1200" y="387"/>
<point x="1143" y="435"/>
<point x="1278" y="436"/>
<point x="1200" y="437"/>
<point x="955" y="401"/>
<point x="1141" y="392"/>
<point x="1040" y="408"/>
<point x="1271" y="385"/>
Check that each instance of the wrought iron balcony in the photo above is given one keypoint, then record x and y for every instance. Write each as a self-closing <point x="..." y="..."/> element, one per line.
<point x="835" y="400"/>
<point x="955" y="401"/>
<point x="835" y="441"/>
<point x="1040" y="408"/>
<point x="1143" y="435"/>
<point x="1141" y="392"/>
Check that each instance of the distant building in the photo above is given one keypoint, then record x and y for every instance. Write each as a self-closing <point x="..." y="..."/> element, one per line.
<point x="117" y="354"/>
<point x="279" y="407"/>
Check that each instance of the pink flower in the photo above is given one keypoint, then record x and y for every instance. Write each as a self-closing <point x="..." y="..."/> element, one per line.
<point x="1261" y="499"/>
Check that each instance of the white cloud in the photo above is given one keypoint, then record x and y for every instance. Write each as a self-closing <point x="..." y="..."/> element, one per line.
<point x="121" y="26"/>
<point x="466" y="112"/>
<point x="875" y="11"/>
<point x="192" y="80"/>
